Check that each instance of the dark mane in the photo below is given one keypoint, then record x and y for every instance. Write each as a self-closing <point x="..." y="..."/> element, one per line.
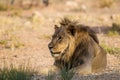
<point x="91" y="33"/>
<point x="67" y="22"/>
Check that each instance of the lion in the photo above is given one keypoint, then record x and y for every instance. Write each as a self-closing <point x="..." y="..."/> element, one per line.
<point x="76" y="46"/>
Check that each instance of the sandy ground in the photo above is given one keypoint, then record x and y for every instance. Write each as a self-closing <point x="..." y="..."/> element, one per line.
<point x="34" y="29"/>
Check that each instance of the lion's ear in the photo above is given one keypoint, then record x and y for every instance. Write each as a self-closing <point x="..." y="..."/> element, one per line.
<point x="56" y="27"/>
<point x="71" y="30"/>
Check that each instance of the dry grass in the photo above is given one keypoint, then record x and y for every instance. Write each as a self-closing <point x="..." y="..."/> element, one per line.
<point x="3" y="7"/>
<point x="111" y="50"/>
<point x="10" y="39"/>
<point x="106" y="3"/>
<point x="35" y="32"/>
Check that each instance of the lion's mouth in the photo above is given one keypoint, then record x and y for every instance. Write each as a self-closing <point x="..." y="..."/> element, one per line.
<point x="55" y="54"/>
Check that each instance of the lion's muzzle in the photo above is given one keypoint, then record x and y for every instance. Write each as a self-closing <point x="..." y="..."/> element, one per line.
<point x="54" y="54"/>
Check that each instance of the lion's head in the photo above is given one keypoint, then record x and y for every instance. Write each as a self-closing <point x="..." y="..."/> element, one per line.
<point x="65" y="36"/>
<point x="61" y="40"/>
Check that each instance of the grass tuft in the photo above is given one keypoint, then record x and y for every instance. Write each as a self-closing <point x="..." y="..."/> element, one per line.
<point x="111" y="50"/>
<point x="50" y="76"/>
<point x="64" y="74"/>
<point x="67" y="75"/>
<point x="12" y="73"/>
<point x="112" y="33"/>
<point x="3" y="42"/>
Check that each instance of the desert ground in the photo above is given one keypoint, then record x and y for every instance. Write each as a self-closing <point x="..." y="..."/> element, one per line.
<point x="25" y="34"/>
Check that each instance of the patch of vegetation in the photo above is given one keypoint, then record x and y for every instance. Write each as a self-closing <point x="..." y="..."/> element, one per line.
<point x="67" y="75"/>
<point x="16" y="12"/>
<point x="11" y="43"/>
<point x="50" y="76"/>
<point x="116" y="27"/>
<point x="10" y="40"/>
<point x="106" y="3"/>
<point x="45" y="36"/>
<point x="3" y="7"/>
<point x="115" y="30"/>
<point x="12" y="73"/>
<point x="64" y="75"/>
<point x="80" y="8"/>
<point x="3" y="42"/>
<point x="112" y="33"/>
<point x="111" y="50"/>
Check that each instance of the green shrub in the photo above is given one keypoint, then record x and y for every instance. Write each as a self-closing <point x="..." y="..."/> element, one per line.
<point x="12" y="73"/>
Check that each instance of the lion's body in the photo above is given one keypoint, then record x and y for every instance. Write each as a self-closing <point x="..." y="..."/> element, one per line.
<point x="75" y="46"/>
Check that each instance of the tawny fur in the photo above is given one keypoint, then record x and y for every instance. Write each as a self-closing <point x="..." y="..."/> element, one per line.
<point x="77" y="47"/>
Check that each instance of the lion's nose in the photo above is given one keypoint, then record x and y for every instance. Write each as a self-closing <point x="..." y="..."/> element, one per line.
<point x="50" y="46"/>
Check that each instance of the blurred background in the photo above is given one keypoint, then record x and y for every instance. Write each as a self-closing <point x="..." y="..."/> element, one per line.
<point x="26" y="27"/>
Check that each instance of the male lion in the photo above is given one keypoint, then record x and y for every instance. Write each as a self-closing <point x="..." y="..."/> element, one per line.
<point x="75" y="46"/>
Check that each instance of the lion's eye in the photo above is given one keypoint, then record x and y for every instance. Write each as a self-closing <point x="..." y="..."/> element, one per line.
<point x="59" y="38"/>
